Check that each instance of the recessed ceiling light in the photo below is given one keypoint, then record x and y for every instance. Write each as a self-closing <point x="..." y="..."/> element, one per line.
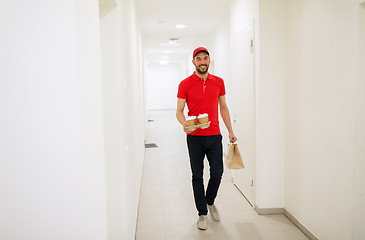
<point x="167" y="51"/>
<point x="165" y="57"/>
<point x="180" y="26"/>
<point x="172" y="42"/>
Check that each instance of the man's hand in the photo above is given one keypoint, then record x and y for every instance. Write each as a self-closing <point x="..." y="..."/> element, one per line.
<point x="180" y="114"/>
<point x="232" y="138"/>
<point x="185" y="125"/>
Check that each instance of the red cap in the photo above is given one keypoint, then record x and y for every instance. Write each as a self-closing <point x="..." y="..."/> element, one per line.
<point x="200" y="49"/>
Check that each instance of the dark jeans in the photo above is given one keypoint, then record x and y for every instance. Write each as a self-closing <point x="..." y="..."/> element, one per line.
<point x="199" y="147"/>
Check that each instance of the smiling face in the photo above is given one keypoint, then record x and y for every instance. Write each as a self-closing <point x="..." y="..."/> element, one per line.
<point x="201" y="62"/>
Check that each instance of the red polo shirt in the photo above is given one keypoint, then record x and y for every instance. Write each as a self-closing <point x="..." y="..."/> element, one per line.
<point x="202" y="97"/>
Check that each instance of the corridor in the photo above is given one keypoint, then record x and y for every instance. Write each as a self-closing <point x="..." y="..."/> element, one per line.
<point x="79" y="80"/>
<point x="167" y="210"/>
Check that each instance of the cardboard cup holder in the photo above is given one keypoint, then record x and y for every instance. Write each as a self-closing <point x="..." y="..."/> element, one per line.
<point x="202" y="126"/>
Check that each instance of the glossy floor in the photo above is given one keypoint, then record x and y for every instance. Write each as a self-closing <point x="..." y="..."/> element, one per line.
<point x="167" y="209"/>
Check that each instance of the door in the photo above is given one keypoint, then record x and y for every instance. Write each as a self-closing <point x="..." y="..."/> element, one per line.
<point x="243" y="106"/>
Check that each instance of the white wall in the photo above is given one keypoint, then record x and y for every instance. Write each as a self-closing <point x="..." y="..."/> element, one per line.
<point x="269" y="94"/>
<point x="52" y="177"/>
<point x="123" y="117"/>
<point x="324" y="101"/>
<point x="162" y="83"/>
<point x="220" y="52"/>
<point x="310" y="101"/>
<point x="359" y="173"/>
<point x="270" y="104"/>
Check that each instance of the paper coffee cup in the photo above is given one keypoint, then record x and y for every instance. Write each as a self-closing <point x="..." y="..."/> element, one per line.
<point x="191" y="121"/>
<point x="203" y="118"/>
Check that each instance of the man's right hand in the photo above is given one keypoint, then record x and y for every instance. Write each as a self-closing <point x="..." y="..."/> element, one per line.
<point x="185" y="125"/>
<point x="180" y="114"/>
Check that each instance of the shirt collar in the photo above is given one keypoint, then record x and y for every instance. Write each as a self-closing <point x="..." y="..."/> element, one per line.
<point x="196" y="77"/>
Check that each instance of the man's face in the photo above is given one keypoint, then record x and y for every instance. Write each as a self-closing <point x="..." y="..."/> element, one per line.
<point x="201" y="62"/>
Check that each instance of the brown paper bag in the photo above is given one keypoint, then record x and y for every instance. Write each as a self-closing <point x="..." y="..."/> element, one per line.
<point x="233" y="158"/>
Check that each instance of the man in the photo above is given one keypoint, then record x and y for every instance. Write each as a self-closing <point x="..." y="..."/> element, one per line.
<point x="203" y="93"/>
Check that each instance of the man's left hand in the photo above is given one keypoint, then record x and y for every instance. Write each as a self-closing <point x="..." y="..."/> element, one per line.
<point x="232" y="137"/>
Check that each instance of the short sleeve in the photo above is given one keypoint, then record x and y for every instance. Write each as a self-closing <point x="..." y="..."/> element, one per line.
<point x="223" y="89"/>
<point x="181" y="93"/>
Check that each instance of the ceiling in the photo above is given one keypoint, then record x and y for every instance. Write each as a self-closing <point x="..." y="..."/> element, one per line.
<point x="158" y="18"/>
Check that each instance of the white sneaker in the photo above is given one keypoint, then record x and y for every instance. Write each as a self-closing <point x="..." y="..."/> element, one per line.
<point x="202" y="222"/>
<point x="213" y="210"/>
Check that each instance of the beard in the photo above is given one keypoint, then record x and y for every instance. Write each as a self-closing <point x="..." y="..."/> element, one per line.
<point x="202" y="71"/>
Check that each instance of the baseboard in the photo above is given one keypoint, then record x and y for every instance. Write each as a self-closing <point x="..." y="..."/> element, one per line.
<point x="302" y="228"/>
<point x="279" y="211"/>
<point x="269" y="211"/>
